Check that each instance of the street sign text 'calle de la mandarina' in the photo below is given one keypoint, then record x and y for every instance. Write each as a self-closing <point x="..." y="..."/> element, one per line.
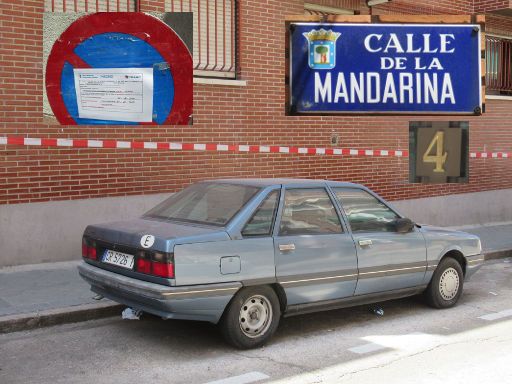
<point x="385" y="68"/>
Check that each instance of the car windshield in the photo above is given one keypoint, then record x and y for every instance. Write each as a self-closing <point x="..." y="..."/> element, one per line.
<point x="205" y="203"/>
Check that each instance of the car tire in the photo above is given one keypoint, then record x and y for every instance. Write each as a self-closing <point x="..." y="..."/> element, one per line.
<point x="445" y="288"/>
<point x="251" y="318"/>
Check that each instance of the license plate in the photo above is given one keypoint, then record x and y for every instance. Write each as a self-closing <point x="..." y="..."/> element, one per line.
<point x="118" y="258"/>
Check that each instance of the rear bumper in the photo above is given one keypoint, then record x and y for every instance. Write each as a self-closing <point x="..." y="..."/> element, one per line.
<point x="474" y="263"/>
<point x="198" y="302"/>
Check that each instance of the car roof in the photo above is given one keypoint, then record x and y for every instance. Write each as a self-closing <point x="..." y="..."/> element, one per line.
<point x="267" y="182"/>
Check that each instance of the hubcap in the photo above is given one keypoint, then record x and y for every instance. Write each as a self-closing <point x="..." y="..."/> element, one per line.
<point x="255" y="316"/>
<point x="449" y="284"/>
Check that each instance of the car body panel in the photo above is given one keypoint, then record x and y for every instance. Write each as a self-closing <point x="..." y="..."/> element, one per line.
<point x="387" y="260"/>
<point x="323" y="271"/>
<point x="326" y="305"/>
<point x="319" y="268"/>
<point x="198" y="263"/>
<point x="167" y="234"/>
<point x="441" y="241"/>
<point x="392" y="261"/>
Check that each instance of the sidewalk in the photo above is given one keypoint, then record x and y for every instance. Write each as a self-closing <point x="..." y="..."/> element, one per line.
<point x="46" y="294"/>
<point x="38" y="295"/>
<point x="496" y="240"/>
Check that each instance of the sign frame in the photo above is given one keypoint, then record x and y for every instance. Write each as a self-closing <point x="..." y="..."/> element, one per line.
<point x="140" y="25"/>
<point x="383" y="20"/>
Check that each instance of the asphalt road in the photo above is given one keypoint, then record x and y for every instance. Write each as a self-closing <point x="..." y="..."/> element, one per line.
<point x="411" y="343"/>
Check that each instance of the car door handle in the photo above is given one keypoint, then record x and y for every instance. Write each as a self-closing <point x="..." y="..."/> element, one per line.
<point x="365" y="242"/>
<point x="286" y="247"/>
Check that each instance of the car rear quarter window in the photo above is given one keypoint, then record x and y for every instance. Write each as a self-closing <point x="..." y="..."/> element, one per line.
<point x="365" y="213"/>
<point x="308" y="212"/>
<point x="262" y="221"/>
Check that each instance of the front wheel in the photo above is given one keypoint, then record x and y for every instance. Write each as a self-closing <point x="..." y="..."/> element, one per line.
<point x="251" y="318"/>
<point x="445" y="288"/>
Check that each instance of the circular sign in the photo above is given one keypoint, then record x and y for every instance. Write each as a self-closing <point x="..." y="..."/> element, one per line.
<point x="147" y="241"/>
<point x="121" y="40"/>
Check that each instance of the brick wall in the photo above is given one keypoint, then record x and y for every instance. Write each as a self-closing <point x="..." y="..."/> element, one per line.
<point x="500" y="25"/>
<point x="425" y="7"/>
<point x="491" y="5"/>
<point x="222" y="114"/>
<point x="152" y="5"/>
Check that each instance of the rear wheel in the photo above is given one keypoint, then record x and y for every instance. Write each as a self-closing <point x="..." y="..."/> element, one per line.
<point x="251" y="318"/>
<point x="446" y="285"/>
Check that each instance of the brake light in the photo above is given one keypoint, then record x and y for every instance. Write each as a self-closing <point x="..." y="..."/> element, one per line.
<point x="156" y="264"/>
<point x="162" y="269"/>
<point x="162" y="264"/>
<point x="89" y="249"/>
<point x="92" y="253"/>
<point x="144" y="266"/>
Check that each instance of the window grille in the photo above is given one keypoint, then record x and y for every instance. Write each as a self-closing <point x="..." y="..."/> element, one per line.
<point x="498" y="57"/>
<point x="214" y="28"/>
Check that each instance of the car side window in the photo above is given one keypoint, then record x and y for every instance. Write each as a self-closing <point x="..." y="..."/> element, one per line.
<point x="262" y="220"/>
<point x="308" y="212"/>
<point x="365" y="213"/>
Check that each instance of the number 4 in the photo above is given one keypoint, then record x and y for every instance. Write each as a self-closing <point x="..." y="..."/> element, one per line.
<point x="439" y="158"/>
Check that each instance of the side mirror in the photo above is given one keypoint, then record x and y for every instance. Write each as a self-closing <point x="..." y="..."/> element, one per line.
<point x="404" y="225"/>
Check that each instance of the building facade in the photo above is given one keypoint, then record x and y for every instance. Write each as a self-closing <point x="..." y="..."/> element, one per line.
<point x="56" y="179"/>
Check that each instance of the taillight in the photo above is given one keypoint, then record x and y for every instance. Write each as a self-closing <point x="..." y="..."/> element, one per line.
<point x="143" y="262"/>
<point x="156" y="264"/>
<point x="92" y="253"/>
<point x="89" y="249"/>
<point x="163" y="269"/>
<point x="162" y="264"/>
<point x="84" y="247"/>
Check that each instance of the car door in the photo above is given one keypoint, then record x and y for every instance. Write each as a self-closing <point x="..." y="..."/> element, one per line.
<point x="387" y="260"/>
<point x="315" y="256"/>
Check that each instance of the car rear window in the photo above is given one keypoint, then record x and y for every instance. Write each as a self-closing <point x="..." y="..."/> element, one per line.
<point x="205" y="203"/>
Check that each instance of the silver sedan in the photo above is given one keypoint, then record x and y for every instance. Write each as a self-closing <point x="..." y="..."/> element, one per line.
<point x="244" y="252"/>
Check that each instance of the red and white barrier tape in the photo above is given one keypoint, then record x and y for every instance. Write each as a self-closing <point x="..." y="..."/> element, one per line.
<point x="84" y="143"/>
<point x="492" y="155"/>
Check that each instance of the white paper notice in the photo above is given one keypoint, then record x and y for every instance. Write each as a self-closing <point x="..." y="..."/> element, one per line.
<point x="122" y="94"/>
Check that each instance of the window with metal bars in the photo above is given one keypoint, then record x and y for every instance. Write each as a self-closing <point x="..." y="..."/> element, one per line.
<point x="214" y="35"/>
<point x="498" y="60"/>
<point x="214" y="28"/>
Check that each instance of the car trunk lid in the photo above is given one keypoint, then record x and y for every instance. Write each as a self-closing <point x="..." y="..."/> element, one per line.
<point x="130" y="238"/>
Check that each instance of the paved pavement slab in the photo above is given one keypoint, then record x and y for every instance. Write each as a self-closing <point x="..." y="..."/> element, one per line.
<point x="41" y="287"/>
<point x="495" y="237"/>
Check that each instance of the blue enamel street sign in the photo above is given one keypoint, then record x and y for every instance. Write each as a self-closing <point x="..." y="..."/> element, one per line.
<point x="385" y="68"/>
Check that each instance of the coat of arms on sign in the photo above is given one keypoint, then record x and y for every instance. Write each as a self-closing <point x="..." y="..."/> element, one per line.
<point x="322" y="48"/>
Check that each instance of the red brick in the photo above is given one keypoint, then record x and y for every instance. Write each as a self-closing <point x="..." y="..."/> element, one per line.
<point x="252" y="115"/>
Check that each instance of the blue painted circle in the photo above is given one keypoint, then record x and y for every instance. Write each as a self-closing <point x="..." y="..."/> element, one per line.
<point x="120" y="50"/>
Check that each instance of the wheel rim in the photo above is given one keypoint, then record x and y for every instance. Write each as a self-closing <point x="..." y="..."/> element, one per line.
<point x="449" y="284"/>
<point x="255" y="316"/>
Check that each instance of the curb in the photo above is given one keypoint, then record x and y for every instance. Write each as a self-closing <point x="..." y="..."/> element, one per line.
<point x="46" y="318"/>
<point x="498" y="254"/>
